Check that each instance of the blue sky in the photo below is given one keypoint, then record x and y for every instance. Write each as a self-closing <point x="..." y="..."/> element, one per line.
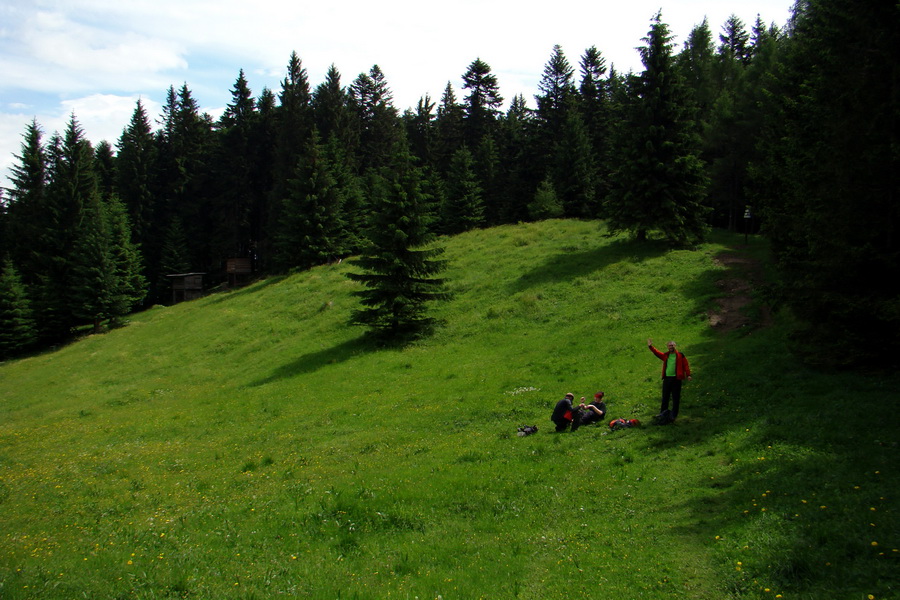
<point x="96" y="58"/>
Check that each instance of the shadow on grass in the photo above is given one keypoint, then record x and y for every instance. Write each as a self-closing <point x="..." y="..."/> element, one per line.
<point x="313" y="361"/>
<point x="805" y="491"/>
<point x="790" y="467"/>
<point x="575" y="264"/>
<point x="228" y="294"/>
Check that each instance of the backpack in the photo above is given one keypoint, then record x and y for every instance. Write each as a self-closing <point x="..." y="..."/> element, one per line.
<point x="623" y="423"/>
<point x="663" y="418"/>
<point x="526" y="430"/>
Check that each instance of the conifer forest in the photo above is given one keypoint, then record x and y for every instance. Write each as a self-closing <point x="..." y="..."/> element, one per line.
<point x="785" y="131"/>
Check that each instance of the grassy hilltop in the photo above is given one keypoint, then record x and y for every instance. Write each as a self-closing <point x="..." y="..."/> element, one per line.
<point x="251" y="445"/>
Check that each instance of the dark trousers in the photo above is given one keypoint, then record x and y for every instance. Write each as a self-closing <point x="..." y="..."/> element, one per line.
<point x="561" y="423"/>
<point x="671" y="389"/>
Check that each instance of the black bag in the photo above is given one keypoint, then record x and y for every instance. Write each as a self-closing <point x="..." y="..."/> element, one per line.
<point x="663" y="418"/>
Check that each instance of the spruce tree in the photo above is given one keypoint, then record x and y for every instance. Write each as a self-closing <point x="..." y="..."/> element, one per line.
<point x="555" y="103"/>
<point x="235" y="176"/>
<point x="312" y="229"/>
<point x="594" y="105"/>
<point x="463" y="207"/>
<point x="186" y="159"/>
<point x="575" y="169"/>
<point x="831" y="188"/>
<point x="557" y="95"/>
<point x="449" y="129"/>
<point x="379" y="124"/>
<point x="129" y="284"/>
<point x="420" y="130"/>
<point x="482" y="103"/>
<point x="293" y="128"/>
<point x="135" y="172"/>
<point x="93" y="280"/>
<point x="546" y="204"/>
<point x="26" y="215"/>
<point x="331" y="110"/>
<point x="735" y="41"/>
<point x="17" y="327"/>
<point x="398" y="265"/>
<point x="660" y="183"/>
<point x="696" y="64"/>
<point x="486" y="167"/>
<point x="59" y="247"/>
<point x="517" y="152"/>
<point x="174" y="257"/>
<point x="104" y="167"/>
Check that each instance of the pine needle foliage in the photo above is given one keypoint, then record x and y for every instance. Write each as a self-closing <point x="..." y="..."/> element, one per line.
<point x="17" y="328"/>
<point x="397" y="262"/>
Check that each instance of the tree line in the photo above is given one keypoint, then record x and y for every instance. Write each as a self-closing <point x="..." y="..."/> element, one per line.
<point x="795" y="125"/>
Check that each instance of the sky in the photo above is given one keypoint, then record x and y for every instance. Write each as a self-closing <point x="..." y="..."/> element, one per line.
<point x="95" y="59"/>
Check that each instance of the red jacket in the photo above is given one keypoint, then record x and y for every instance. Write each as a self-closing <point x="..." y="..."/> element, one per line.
<point x="682" y="368"/>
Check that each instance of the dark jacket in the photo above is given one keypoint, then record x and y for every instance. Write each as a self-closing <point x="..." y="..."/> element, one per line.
<point x="562" y="412"/>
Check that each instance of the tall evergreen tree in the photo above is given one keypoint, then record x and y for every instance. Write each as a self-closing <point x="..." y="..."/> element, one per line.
<point x="293" y="128"/>
<point x="72" y="188"/>
<point x="17" y="327"/>
<point x="263" y="144"/>
<point x="105" y="168"/>
<point x="398" y="263"/>
<point x="235" y="176"/>
<point x="482" y="103"/>
<point x="729" y="127"/>
<point x="596" y="114"/>
<point x="135" y="181"/>
<point x="557" y="93"/>
<point x="185" y="160"/>
<point x="832" y="212"/>
<point x="421" y="130"/>
<point x="174" y="257"/>
<point x="26" y="216"/>
<point x="660" y="183"/>
<point x="93" y="280"/>
<point x="312" y="229"/>
<point x="378" y="120"/>
<point x="556" y="101"/>
<point x="107" y="283"/>
<point x="486" y="167"/>
<point x="516" y="149"/>
<point x="575" y="169"/>
<point x="697" y="66"/>
<point x="734" y="40"/>
<point x="449" y="129"/>
<point x="331" y="109"/>
<point x="464" y="204"/>
<point x="129" y="284"/>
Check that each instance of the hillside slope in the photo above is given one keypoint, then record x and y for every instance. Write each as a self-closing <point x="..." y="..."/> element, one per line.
<point x="251" y="445"/>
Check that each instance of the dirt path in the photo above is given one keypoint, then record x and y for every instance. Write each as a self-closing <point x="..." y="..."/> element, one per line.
<point x="741" y="278"/>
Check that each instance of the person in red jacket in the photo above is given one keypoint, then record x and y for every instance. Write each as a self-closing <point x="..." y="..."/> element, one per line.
<point x="675" y="369"/>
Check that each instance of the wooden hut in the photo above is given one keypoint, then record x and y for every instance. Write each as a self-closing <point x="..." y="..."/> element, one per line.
<point x="186" y="286"/>
<point x="239" y="271"/>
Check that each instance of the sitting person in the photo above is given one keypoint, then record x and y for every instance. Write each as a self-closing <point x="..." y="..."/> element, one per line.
<point x="589" y="414"/>
<point x="564" y="413"/>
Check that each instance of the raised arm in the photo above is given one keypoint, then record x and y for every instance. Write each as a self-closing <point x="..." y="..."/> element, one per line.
<point x="659" y="355"/>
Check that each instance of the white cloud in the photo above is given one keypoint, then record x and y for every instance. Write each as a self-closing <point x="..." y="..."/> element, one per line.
<point x="94" y="57"/>
<point x="101" y="116"/>
<point x="105" y="116"/>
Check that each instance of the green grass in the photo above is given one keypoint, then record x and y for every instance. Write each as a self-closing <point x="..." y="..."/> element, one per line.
<point x="251" y="445"/>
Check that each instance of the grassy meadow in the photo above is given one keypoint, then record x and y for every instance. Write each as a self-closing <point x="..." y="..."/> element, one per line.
<point x="251" y="445"/>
